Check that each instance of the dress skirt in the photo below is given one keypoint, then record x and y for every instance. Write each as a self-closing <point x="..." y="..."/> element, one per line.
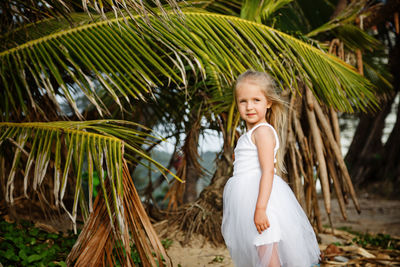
<point x="289" y="241"/>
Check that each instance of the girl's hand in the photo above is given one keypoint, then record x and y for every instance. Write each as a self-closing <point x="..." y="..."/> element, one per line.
<point x="261" y="220"/>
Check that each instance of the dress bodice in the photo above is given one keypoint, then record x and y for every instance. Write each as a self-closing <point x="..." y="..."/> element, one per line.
<point x="246" y="154"/>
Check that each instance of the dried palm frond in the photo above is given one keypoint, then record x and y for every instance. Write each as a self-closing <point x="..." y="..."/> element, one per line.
<point x="68" y="149"/>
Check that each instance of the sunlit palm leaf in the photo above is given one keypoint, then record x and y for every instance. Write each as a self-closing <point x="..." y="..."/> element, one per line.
<point x="92" y="141"/>
<point x="89" y="146"/>
<point x="343" y="27"/>
<point x="125" y="64"/>
<point x="16" y="13"/>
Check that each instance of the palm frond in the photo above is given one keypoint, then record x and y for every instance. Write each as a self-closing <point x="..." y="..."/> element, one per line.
<point x="68" y="149"/>
<point x="355" y="38"/>
<point x="129" y="9"/>
<point x="377" y="71"/>
<point x="227" y="7"/>
<point x="98" y="235"/>
<point x="128" y="63"/>
<point x="261" y="10"/>
<point x="98" y="145"/>
<point x="347" y="15"/>
<point x="41" y="28"/>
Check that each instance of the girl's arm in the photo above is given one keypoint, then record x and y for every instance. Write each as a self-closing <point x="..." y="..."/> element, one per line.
<point x="264" y="139"/>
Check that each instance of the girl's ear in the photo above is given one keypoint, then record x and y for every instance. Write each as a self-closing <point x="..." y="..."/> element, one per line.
<point x="269" y="103"/>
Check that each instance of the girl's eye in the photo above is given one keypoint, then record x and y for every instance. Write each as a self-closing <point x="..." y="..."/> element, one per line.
<point x="242" y="101"/>
<point x="256" y="100"/>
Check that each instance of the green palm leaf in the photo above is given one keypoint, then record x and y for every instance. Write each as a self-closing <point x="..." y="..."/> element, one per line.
<point x="89" y="141"/>
<point x="346" y="16"/>
<point x="227" y="7"/>
<point x="261" y="10"/>
<point x="355" y="38"/>
<point x="126" y="65"/>
<point x="90" y="146"/>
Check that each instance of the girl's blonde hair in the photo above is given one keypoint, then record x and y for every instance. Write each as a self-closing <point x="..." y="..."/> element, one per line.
<point x="276" y="113"/>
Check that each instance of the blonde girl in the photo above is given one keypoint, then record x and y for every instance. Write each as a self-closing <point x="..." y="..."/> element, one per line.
<point x="263" y="223"/>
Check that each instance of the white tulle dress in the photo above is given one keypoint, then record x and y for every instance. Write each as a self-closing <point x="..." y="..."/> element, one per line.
<point x="290" y="237"/>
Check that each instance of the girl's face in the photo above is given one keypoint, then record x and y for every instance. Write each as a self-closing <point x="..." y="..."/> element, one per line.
<point x="252" y="104"/>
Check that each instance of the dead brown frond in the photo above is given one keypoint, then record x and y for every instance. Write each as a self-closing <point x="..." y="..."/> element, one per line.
<point x="351" y="254"/>
<point x="100" y="244"/>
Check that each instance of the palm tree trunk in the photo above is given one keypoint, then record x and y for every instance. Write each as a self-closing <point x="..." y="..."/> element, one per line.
<point x="369" y="160"/>
<point x="194" y="171"/>
<point x="392" y="152"/>
<point x="204" y="216"/>
<point x="367" y="145"/>
<point x="372" y="162"/>
<point x="189" y="168"/>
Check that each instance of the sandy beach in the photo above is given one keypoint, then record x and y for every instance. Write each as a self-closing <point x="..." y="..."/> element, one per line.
<point x="377" y="216"/>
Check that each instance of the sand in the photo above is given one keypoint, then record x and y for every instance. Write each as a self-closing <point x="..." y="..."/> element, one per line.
<point x="377" y="216"/>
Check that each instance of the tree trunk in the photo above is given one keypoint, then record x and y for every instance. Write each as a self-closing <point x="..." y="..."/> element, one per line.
<point x="189" y="168"/>
<point x="372" y="163"/>
<point x="366" y="145"/>
<point x="192" y="177"/>
<point x="194" y="170"/>
<point x="204" y="216"/>
<point x="376" y="168"/>
<point x="391" y="154"/>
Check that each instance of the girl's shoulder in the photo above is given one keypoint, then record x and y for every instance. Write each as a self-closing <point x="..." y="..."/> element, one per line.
<point x="259" y="125"/>
<point x="263" y="132"/>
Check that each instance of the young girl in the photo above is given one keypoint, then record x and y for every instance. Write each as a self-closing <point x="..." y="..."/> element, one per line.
<point x="263" y="224"/>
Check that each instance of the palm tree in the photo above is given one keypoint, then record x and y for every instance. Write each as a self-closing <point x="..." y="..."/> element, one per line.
<point x="305" y="144"/>
<point x="126" y="58"/>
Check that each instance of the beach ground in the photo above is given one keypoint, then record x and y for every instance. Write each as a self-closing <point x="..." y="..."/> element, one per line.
<point x="377" y="216"/>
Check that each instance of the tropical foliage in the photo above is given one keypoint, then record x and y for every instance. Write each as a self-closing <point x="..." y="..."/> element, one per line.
<point x="25" y="245"/>
<point x="215" y="50"/>
<point x="71" y="148"/>
<point x="118" y="66"/>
